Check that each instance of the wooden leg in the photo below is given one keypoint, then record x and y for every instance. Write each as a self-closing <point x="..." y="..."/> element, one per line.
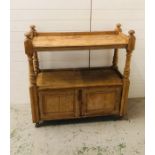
<point x="124" y="100"/>
<point x="34" y="104"/>
<point x="126" y="82"/>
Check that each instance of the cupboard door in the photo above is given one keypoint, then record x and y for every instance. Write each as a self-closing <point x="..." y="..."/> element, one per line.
<point x="101" y="101"/>
<point x="58" y="104"/>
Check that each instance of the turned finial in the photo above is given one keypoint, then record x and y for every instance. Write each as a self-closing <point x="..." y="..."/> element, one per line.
<point x="131" y="32"/>
<point x="28" y="35"/>
<point x="32" y="27"/>
<point x="118" y="27"/>
<point x="132" y="39"/>
<point x="33" y="30"/>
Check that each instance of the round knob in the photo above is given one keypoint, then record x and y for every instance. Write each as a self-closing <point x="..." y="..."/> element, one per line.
<point x="32" y="27"/>
<point x="131" y="32"/>
<point x="118" y="25"/>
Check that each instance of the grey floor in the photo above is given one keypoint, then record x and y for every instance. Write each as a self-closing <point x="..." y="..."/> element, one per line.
<point x="106" y="137"/>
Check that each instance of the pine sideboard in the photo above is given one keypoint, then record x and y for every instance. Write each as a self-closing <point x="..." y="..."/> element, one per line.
<point x="80" y="92"/>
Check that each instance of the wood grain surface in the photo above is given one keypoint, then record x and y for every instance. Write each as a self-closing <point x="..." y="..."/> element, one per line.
<point x="78" y="78"/>
<point x="52" y="41"/>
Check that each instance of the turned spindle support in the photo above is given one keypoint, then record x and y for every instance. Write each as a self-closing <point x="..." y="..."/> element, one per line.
<point x="36" y="63"/>
<point x="35" y="55"/>
<point x="126" y="81"/>
<point x="115" y="57"/>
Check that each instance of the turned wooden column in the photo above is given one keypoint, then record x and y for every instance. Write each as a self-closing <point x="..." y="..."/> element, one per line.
<point x="32" y="76"/>
<point x="126" y="81"/>
<point x="30" y="52"/>
<point x="33" y="33"/>
<point x="115" y="57"/>
<point x="36" y="63"/>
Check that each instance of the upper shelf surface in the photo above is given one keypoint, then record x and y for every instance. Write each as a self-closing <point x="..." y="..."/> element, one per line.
<point x="67" y="40"/>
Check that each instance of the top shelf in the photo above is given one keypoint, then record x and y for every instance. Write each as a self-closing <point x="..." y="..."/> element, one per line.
<point x="79" y="40"/>
<point x="49" y="41"/>
<point x="53" y="41"/>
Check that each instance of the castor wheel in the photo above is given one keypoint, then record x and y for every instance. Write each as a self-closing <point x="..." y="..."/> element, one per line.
<point x="126" y="118"/>
<point x="38" y="124"/>
<point x="116" y="118"/>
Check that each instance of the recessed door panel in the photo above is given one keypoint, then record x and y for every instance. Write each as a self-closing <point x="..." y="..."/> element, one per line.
<point x="55" y="104"/>
<point x="98" y="101"/>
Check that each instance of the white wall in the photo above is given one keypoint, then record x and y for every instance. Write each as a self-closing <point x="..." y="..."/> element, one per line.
<point x="73" y="15"/>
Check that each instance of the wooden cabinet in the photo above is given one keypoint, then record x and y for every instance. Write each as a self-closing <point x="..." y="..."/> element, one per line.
<point x="80" y="92"/>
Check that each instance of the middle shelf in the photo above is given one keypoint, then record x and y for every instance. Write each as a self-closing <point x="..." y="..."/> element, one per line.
<point x="77" y="78"/>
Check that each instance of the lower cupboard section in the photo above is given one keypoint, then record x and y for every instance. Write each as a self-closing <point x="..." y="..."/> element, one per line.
<point x="75" y="103"/>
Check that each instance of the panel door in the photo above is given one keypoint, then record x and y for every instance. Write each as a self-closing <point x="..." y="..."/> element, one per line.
<point x="101" y="101"/>
<point x="58" y="104"/>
